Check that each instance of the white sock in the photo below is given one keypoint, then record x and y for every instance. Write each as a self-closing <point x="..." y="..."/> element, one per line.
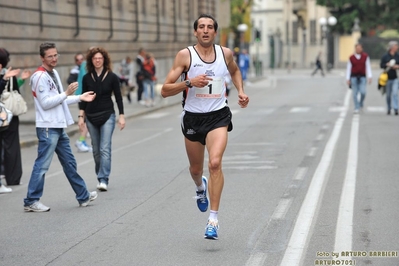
<point x="202" y="187"/>
<point x="213" y="215"/>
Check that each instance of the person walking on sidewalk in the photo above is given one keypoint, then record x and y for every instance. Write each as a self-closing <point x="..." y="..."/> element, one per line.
<point x="139" y="75"/>
<point x="80" y="143"/>
<point x="390" y="62"/>
<point x="206" y="118"/>
<point x="100" y="114"/>
<point x="319" y="66"/>
<point x="52" y="117"/>
<point x="358" y="68"/>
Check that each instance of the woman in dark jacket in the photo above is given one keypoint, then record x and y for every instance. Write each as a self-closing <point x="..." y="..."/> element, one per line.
<point x="100" y="113"/>
<point x="9" y="139"/>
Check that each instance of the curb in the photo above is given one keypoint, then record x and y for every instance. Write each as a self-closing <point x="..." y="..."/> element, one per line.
<point x="73" y="129"/>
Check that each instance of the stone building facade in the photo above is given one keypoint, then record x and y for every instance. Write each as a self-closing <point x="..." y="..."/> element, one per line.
<point x="162" y="27"/>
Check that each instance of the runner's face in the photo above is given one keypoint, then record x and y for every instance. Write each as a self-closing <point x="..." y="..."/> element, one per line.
<point x="205" y="32"/>
<point x="50" y="58"/>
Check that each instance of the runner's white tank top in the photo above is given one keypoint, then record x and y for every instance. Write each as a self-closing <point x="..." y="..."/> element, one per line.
<point x="212" y="97"/>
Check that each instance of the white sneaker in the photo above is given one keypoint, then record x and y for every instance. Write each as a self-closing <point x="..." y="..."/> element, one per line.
<point x="81" y="146"/>
<point x="4" y="189"/>
<point x="37" y="207"/>
<point x="102" y="186"/>
<point x="93" y="196"/>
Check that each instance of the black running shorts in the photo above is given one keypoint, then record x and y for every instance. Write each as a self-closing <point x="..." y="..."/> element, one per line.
<point x="195" y="126"/>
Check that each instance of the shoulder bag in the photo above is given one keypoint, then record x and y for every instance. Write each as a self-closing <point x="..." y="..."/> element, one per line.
<point x="13" y="101"/>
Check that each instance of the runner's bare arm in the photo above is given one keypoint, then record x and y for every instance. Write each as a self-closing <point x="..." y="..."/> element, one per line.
<point x="181" y="64"/>
<point x="234" y="70"/>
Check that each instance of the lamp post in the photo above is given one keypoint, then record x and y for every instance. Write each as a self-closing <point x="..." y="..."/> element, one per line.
<point x="242" y="28"/>
<point x="326" y="23"/>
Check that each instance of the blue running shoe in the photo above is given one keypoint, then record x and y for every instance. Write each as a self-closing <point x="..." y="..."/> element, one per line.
<point x="202" y="199"/>
<point x="211" y="230"/>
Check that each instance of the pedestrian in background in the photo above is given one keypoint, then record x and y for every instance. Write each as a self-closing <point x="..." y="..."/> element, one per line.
<point x="139" y="75"/>
<point x="318" y="65"/>
<point x="52" y="117"/>
<point x="243" y="63"/>
<point x="358" y="68"/>
<point x="74" y="73"/>
<point x="80" y="143"/>
<point x="100" y="114"/>
<point x="206" y="118"/>
<point x="149" y="79"/>
<point x="9" y="139"/>
<point x="125" y="70"/>
<point x="390" y="62"/>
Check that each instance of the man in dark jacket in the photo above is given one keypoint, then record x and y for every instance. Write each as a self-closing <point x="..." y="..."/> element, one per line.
<point x="139" y="74"/>
<point x="390" y="62"/>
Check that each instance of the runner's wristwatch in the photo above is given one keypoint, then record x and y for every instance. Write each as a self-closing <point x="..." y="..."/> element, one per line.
<point x="188" y="83"/>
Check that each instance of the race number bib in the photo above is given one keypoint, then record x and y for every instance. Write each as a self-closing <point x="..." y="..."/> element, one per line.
<point x="213" y="90"/>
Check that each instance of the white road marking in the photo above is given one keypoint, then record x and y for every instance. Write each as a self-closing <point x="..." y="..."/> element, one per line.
<point x="336" y="109"/>
<point x="117" y="150"/>
<point x="320" y="137"/>
<point x="256" y="144"/>
<point x="312" y="151"/>
<point x="154" y="115"/>
<point x="281" y="209"/>
<point x="256" y="259"/>
<point x="344" y="230"/>
<point x="300" y="173"/>
<point x="300" y="110"/>
<point x="263" y="167"/>
<point x="377" y="109"/>
<point x="234" y="111"/>
<point x="298" y="242"/>
<point x="248" y="162"/>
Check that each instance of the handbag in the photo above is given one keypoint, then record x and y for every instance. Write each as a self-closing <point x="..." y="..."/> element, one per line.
<point x="5" y="117"/>
<point x="13" y="101"/>
<point x="98" y="119"/>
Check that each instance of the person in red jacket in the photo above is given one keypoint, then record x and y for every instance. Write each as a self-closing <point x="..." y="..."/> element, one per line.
<point x="357" y="71"/>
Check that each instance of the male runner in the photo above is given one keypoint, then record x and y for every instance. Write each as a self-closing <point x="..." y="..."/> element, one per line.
<point x="206" y="118"/>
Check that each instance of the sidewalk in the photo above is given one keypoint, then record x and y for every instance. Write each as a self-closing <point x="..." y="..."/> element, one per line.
<point x="27" y="128"/>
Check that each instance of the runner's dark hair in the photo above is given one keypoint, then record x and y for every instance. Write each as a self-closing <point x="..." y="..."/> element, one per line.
<point x="215" y="23"/>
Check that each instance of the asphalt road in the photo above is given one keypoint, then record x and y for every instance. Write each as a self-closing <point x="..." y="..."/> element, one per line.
<point x="306" y="182"/>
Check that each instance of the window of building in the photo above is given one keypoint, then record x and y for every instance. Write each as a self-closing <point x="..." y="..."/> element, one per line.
<point x="313" y="32"/>
<point x="295" y="32"/>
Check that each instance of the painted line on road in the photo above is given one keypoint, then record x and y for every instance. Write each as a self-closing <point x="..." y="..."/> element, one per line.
<point x="256" y="259"/>
<point x="320" y="137"/>
<point x="344" y="230"/>
<point x="377" y="109"/>
<point x="312" y="151"/>
<point x="119" y="149"/>
<point x="299" y="239"/>
<point x="264" y="167"/>
<point x="300" y="173"/>
<point x="248" y="162"/>
<point x="154" y="115"/>
<point x="281" y="209"/>
<point x="300" y="110"/>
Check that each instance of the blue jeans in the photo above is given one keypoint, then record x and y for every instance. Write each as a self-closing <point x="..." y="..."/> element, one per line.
<point x="101" y="141"/>
<point x="391" y="90"/>
<point x="358" y="86"/>
<point x="148" y="88"/>
<point x="54" y="140"/>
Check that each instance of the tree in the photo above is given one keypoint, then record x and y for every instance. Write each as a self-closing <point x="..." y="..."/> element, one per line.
<point x="374" y="15"/>
<point x="240" y="13"/>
